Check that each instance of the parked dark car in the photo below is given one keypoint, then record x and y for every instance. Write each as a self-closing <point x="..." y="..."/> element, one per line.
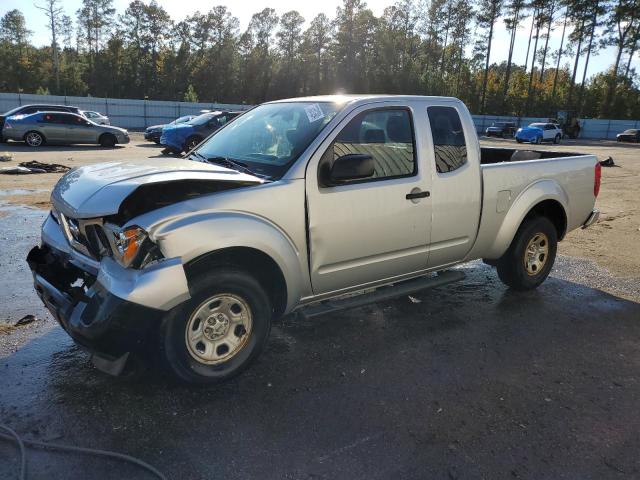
<point x="154" y="132"/>
<point x="631" y="135"/>
<point x="29" y="109"/>
<point x="501" y="129"/>
<point x="186" y="136"/>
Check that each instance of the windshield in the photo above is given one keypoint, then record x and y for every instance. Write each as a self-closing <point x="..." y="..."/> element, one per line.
<point x="269" y="138"/>
<point x="200" y="119"/>
<point x="184" y="119"/>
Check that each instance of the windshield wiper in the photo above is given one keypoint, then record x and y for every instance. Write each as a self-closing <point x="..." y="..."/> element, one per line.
<point x="199" y="155"/>
<point x="233" y="165"/>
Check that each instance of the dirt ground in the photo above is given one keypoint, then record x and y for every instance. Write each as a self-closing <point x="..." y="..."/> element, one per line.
<point x="612" y="242"/>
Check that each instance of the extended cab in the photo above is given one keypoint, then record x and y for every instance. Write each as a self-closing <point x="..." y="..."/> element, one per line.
<point x="296" y="205"/>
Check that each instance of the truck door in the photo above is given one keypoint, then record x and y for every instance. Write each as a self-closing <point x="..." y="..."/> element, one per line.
<point x="375" y="228"/>
<point x="456" y="191"/>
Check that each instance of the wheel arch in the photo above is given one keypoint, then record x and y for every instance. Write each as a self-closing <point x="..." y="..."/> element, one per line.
<point x="246" y="240"/>
<point x="543" y="198"/>
<point x="103" y="134"/>
<point x="251" y="260"/>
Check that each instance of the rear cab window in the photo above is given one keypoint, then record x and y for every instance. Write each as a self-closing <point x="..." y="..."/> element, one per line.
<point x="449" y="145"/>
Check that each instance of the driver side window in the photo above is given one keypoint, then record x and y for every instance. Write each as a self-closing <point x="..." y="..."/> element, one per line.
<point x="386" y="135"/>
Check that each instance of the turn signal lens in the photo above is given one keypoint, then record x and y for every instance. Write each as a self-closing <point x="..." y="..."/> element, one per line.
<point x="596" y="180"/>
<point x="128" y="243"/>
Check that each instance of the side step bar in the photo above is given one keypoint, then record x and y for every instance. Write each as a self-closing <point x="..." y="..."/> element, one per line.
<point x="382" y="293"/>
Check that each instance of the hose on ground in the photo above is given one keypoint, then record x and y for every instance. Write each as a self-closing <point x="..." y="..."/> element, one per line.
<point x="12" y="435"/>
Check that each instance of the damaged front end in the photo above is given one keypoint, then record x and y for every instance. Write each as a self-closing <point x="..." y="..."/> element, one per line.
<point x="101" y="276"/>
<point x="109" y="326"/>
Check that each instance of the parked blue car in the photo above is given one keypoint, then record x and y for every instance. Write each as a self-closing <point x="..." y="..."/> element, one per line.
<point x="538" y="132"/>
<point x="186" y="136"/>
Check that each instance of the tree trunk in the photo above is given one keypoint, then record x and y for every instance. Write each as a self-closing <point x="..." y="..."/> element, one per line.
<point x="586" y="62"/>
<point x="526" y="60"/>
<point x="507" y="73"/>
<point x="530" y="90"/>
<point x="555" y="77"/>
<point x="486" y="68"/>
<point x="575" y="67"/>
<point x="546" y="45"/>
<point x="631" y="53"/>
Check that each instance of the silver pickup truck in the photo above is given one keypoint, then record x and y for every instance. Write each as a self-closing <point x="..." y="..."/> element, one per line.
<point x="298" y="205"/>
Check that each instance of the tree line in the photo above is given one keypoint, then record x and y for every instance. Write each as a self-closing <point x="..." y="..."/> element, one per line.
<point x="427" y="47"/>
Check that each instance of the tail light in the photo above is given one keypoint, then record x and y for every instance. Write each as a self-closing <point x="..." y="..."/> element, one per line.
<point x="596" y="180"/>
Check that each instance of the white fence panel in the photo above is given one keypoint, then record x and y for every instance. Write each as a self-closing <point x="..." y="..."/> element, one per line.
<point x="139" y="114"/>
<point x="127" y="113"/>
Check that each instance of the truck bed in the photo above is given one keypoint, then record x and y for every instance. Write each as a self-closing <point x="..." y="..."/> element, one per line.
<point x="508" y="173"/>
<point x="490" y="155"/>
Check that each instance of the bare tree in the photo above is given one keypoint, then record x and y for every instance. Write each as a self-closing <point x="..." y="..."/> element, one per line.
<point x="55" y="14"/>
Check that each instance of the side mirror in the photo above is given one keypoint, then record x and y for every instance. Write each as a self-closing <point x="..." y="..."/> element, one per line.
<point x="354" y="166"/>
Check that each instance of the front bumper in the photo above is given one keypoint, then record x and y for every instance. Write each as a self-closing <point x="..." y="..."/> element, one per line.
<point x="152" y="136"/>
<point x="110" y="310"/>
<point x="172" y="141"/>
<point x="109" y="327"/>
<point x="124" y="139"/>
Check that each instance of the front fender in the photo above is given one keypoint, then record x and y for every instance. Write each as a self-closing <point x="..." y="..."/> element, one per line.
<point x="534" y="194"/>
<point x="195" y="235"/>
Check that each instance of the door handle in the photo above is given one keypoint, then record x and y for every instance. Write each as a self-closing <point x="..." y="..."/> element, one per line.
<point x="417" y="194"/>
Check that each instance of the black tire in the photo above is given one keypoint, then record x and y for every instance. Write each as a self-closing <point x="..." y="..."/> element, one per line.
<point x="191" y="143"/>
<point x="556" y="139"/>
<point x="538" y="140"/>
<point x="107" y="140"/>
<point x="511" y="266"/>
<point x="224" y="280"/>
<point x="518" y="140"/>
<point x="34" y="139"/>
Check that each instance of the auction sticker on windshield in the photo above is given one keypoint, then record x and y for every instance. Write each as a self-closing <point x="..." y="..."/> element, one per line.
<point x="314" y="112"/>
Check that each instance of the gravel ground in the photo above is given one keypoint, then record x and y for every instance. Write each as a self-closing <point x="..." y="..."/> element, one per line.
<point x="466" y="381"/>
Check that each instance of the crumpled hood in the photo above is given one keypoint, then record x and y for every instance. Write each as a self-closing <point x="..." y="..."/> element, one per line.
<point x="98" y="190"/>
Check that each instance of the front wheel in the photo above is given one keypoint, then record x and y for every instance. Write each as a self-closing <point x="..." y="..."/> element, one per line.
<point x="556" y="139"/>
<point x="191" y="143"/>
<point x="220" y="330"/>
<point x="529" y="259"/>
<point x="107" y="140"/>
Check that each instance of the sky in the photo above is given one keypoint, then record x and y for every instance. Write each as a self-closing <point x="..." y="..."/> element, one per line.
<point x="243" y="9"/>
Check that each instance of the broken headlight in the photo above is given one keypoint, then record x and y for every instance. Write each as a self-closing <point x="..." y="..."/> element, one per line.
<point x="133" y="248"/>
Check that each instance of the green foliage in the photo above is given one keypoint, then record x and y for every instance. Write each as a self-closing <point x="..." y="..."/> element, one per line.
<point x="190" y="95"/>
<point x="425" y="47"/>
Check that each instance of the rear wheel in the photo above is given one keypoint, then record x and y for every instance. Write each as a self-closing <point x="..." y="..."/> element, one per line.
<point x="556" y="139"/>
<point x="220" y="330"/>
<point x="33" y="139"/>
<point x="107" y="140"/>
<point x="529" y="259"/>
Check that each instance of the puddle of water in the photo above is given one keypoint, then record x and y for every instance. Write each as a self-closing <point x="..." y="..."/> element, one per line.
<point x="20" y="191"/>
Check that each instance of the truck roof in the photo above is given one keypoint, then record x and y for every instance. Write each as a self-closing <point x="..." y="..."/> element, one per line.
<point x="353" y="98"/>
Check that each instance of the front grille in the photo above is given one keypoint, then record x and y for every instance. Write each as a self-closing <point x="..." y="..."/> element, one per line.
<point x="86" y="236"/>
